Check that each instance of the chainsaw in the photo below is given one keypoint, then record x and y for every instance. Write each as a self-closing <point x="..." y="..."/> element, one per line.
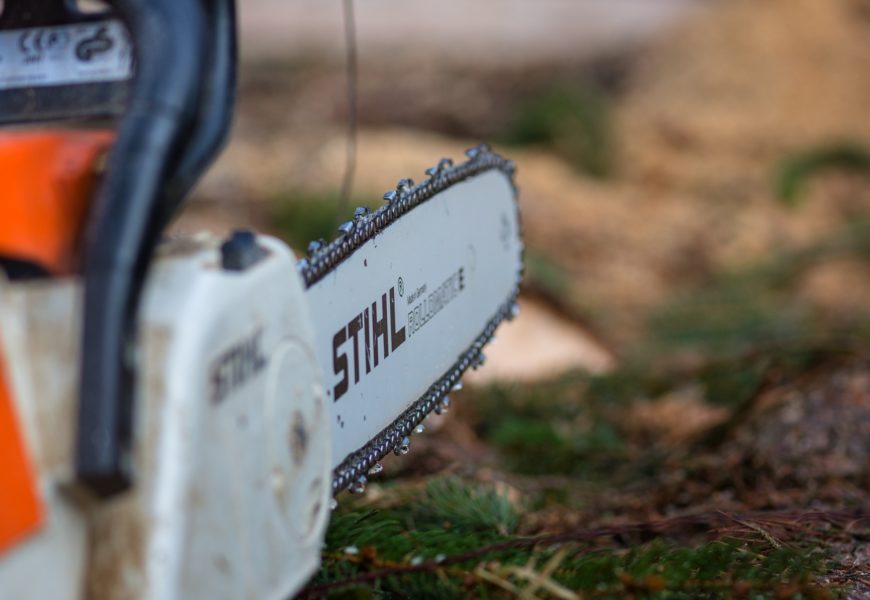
<point x="177" y="414"/>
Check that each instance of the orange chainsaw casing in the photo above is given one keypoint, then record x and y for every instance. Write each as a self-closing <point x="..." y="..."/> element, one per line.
<point x="47" y="180"/>
<point x="22" y="512"/>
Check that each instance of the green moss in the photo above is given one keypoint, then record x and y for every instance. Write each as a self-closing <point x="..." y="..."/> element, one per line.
<point x="449" y="514"/>
<point x="445" y="530"/>
<point x="556" y="428"/>
<point x="300" y="217"/>
<point x="466" y="507"/>
<point x="794" y="171"/>
<point x="545" y="275"/>
<point x="728" y="383"/>
<point x="628" y="384"/>
<point x="574" y="121"/>
<point x="756" y="307"/>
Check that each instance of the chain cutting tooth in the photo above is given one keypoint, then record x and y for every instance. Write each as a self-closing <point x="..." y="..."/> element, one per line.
<point x="420" y="428"/>
<point x="404" y="186"/>
<point x="442" y="406"/>
<point x="391" y="196"/>
<point x="456" y="386"/>
<point x="403" y="447"/>
<point x="476" y="151"/>
<point x="376" y="468"/>
<point x="360" y="212"/>
<point x="302" y="264"/>
<point x="315" y="246"/>
<point x="346" y="227"/>
<point x="514" y="311"/>
<point x="479" y="361"/>
<point x="358" y="486"/>
<point x="333" y="504"/>
<point x="443" y="165"/>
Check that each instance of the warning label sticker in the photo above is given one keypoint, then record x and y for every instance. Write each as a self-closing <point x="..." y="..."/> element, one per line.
<point x="65" y="55"/>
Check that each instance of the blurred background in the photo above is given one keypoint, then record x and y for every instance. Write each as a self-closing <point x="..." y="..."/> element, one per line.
<point x="695" y="190"/>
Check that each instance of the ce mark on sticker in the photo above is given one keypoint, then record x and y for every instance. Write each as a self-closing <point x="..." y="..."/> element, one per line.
<point x="33" y="43"/>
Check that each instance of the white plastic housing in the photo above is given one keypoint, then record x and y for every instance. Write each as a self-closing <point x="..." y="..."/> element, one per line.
<point x="231" y="455"/>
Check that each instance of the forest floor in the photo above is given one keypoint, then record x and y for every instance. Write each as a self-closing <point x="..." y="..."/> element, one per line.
<point x="697" y="218"/>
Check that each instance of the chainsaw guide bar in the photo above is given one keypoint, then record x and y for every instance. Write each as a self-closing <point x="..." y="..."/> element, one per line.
<point x="460" y="232"/>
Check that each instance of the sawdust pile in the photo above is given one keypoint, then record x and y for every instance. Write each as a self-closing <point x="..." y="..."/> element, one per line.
<point x="711" y="111"/>
<point x="749" y="81"/>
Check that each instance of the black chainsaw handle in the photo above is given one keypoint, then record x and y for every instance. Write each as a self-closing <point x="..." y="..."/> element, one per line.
<point x="178" y="118"/>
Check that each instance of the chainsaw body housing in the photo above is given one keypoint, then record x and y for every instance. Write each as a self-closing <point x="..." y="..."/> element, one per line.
<point x="176" y="416"/>
<point x="231" y="442"/>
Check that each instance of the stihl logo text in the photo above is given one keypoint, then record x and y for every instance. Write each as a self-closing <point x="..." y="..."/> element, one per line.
<point x="365" y="341"/>
<point x="236" y="366"/>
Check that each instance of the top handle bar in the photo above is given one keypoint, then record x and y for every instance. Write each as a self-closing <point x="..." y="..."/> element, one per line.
<point x="173" y="115"/>
<point x="179" y="117"/>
